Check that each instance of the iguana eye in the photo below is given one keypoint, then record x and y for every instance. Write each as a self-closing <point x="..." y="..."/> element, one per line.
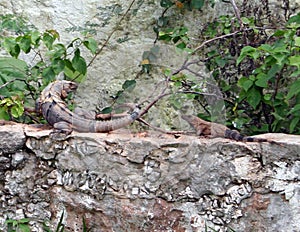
<point x="64" y="93"/>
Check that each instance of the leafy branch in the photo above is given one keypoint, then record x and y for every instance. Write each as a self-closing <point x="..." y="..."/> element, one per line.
<point x="111" y="33"/>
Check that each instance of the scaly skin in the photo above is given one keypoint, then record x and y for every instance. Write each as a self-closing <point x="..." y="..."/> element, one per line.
<point x="57" y="114"/>
<point x="213" y="130"/>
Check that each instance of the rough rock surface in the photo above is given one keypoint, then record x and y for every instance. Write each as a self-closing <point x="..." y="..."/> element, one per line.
<point x="148" y="181"/>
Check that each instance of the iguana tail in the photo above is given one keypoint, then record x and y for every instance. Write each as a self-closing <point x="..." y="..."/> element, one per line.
<point x="235" y="135"/>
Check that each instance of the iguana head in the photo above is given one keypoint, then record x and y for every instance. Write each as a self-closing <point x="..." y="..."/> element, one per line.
<point x="67" y="87"/>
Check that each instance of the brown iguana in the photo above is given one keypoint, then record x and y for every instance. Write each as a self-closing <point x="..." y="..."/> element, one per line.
<point x="57" y="114"/>
<point x="213" y="130"/>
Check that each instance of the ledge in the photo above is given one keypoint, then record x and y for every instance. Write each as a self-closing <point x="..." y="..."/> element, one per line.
<point x="149" y="181"/>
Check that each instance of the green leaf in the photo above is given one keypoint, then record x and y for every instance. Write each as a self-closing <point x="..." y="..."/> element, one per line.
<point x="11" y="68"/>
<point x="4" y="114"/>
<point x="220" y="61"/>
<point x="262" y="80"/>
<point x="295" y="19"/>
<point x="279" y="33"/>
<point x="245" y="20"/>
<point x="49" y="74"/>
<point x="24" y="228"/>
<point x="129" y="85"/>
<point x="280" y="58"/>
<point x="107" y="110"/>
<point x="35" y="37"/>
<point x="295" y="61"/>
<point x="58" y="66"/>
<point x="295" y="73"/>
<point x="12" y="64"/>
<point x="197" y="4"/>
<point x="297" y="41"/>
<point x="59" y="51"/>
<point x="25" y="43"/>
<point x="69" y="70"/>
<point x="166" y="3"/>
<point x="16" y="111"/>
<point x="161" y="22"/>
<point x="275" y="68"/>
<point x="54" y="34"/>
<point x="254" y="97"/>
<point x="267" y="97"/>
<point x="266" y="48"/>
<point x="240" y="122"/>
<point x="48" y="39"/>
<point x="294" y="89"/>
<point x="181" y="45"/>
<point x="71" y="73"/>
<point x="295" y="109"/>
<point x="91" y="44"/>
<point x="78" y="62"/>
<point x="24" y="220"/>
<point x="293" y="124"/>
<point x="11" y="47"/>
<point x="247" y="51"/>
<point x="6" y="102"/>
<point x="245" y="83"/>
<point x="280" y="46"/>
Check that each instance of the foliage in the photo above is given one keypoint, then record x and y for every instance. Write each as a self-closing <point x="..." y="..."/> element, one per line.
<point x="256" y="70"/>
<point x="262" y="93"/>
<point x="21" y="83"/>
<point x="274" y="85"/>
<point x="21" y="225"/>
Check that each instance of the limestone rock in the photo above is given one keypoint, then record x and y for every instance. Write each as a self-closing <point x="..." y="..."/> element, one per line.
<point x="12" y="138"/>
<point x="152" y="182"/>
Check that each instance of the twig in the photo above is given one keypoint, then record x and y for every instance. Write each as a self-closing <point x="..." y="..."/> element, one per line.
<point x="111" y="33"/>
<point x="11" y="81"/>
<point x="204" y="94"/>
<point x="217" y="38"/>
<point x="237" y="13"/>
<point x="159" y="129"/>
<point x="146" y="109"/>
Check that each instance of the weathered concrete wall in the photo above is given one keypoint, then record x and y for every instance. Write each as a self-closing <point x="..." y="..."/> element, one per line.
<point x="148" y="182"/>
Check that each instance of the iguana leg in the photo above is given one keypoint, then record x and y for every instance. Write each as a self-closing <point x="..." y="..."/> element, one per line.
<point x="63" y="127"/>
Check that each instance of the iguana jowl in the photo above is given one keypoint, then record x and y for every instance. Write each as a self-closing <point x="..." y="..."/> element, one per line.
<point x="57" y="114"/>
<point x="214" y="130"/>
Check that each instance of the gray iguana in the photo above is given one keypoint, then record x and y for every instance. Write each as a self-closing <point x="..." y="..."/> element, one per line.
<point x="57" y="114"/>
<point x="213" y="130"/>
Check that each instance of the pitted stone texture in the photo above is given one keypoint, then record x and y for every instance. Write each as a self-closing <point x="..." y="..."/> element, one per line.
<point x="12" y="138"/>
<point x="139" y="182"/>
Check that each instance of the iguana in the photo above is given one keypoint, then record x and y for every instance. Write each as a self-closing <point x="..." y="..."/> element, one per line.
<point x="214" y="130"/>
<point x="57" y="114"/>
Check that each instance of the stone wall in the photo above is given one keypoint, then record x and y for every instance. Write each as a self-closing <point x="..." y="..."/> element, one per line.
<point x="125" y="181"/>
